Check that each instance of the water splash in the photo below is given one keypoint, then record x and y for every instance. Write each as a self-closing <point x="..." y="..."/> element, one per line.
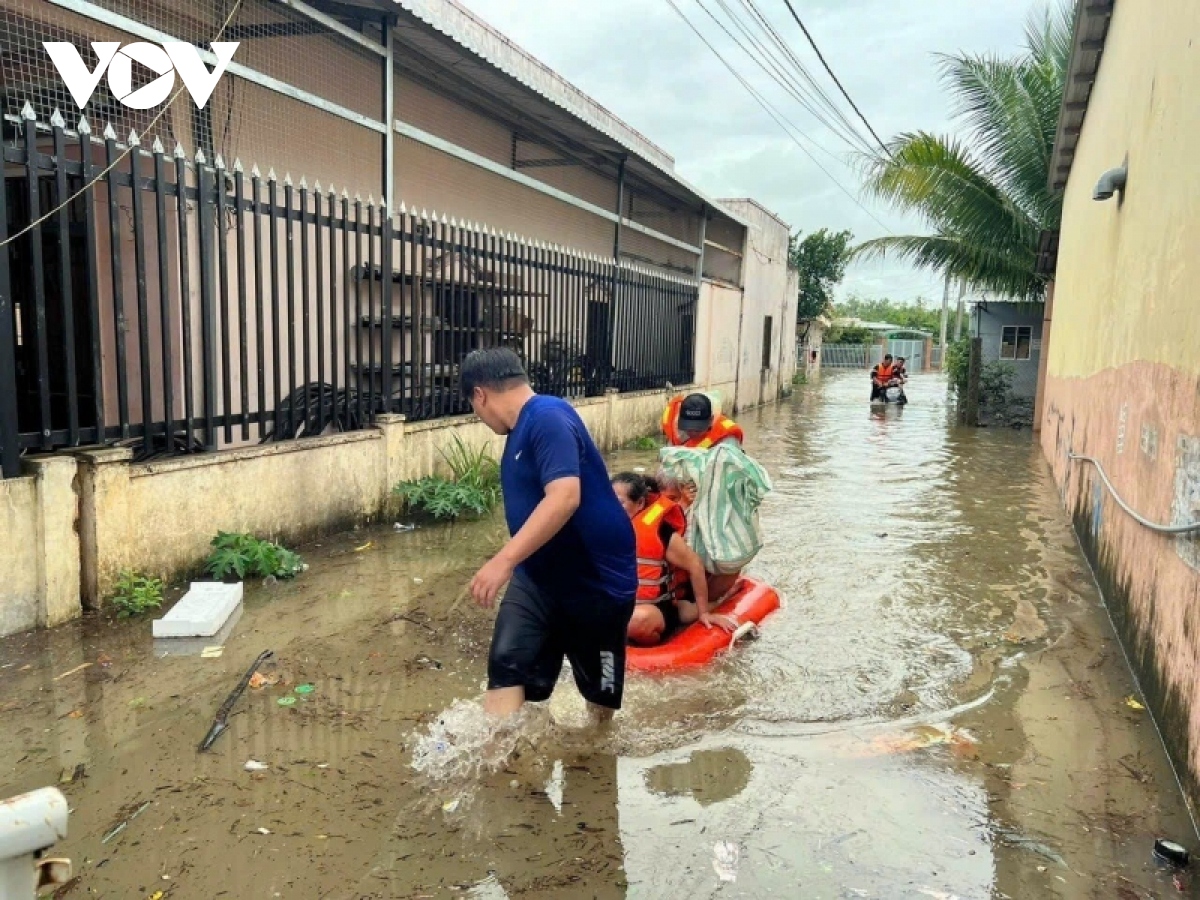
<point x="464" y="743"/>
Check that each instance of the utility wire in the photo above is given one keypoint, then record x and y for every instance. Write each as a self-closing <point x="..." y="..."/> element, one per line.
<point x="783" y="78"/>
<point x="765" y="24"/>
<point x="845" y="93"/>
<point x="103" y="172"/>
<point x="813" y="88"/>
<point x="774" y="114"/>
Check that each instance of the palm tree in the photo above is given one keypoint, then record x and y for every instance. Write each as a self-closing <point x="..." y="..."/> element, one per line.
<point x="986" y="195"/>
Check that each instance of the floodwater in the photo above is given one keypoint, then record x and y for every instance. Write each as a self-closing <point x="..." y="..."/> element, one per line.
<point x="941" y="710"/>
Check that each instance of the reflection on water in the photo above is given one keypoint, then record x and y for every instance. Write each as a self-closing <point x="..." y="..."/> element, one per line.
<point x="707" y="776"/>
<point x="937" y="712"/>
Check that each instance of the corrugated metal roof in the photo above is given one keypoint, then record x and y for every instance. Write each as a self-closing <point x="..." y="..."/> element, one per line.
<point x="1092" y="18"/>
<point x="492" y="54"/>
<point x="457" y="22"/>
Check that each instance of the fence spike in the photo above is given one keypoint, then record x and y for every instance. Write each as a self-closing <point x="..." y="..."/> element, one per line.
<point x="134" y="140"/>
<point x="403" y="209"/>
<point x="254" y="172"/>
<point x="303" y="183"/>
<point x="57" y="120"/>
<point x="287" y="179"/>
<point x="237" y="165"/>
<point x="179" y="154"/>
<point x="358" y="197"/>
<point x="218" y="162"/>
<point x="271" y="176"/>
<point x="83" y="127"/>
<point x="424" y="215"/>
<point x="27" y="112"/>
<point x="158" y="147"/>
<point x="317" y="187"/>
<point x="109" y="134"/>
<point x="345" y="194"/>
<point x="201" y="159"/>
<point x="332" y="191"/>
<point x="444" y="220"/>
<point x="453" y="222"/>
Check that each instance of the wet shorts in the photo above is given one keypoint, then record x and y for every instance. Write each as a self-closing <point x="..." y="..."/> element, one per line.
<point x="535" y="629"/>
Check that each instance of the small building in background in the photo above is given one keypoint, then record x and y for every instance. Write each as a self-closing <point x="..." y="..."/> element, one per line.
<point x="1011" y="333"/>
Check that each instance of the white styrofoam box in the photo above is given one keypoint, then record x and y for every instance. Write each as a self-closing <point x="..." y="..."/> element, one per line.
<point x="201" y="612"/>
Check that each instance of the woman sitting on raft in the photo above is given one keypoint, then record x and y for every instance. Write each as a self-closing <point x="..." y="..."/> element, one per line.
<point x="666" y="564"/>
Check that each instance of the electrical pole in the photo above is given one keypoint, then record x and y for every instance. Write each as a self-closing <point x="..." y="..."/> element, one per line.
<point x="945" y="318"/>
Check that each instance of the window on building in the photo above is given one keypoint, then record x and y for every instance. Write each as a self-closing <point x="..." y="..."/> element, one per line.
<point x="1016" y="342"/>
<point x="767" y="326"/>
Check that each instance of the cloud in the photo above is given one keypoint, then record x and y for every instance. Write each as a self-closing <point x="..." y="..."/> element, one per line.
<point x="641" y="61"/>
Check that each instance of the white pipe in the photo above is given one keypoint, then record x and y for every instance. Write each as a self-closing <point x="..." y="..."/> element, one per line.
<point x="1141" y="520"/>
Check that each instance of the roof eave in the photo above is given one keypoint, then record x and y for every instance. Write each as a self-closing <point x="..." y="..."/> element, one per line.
<point x="1089" y="35"/>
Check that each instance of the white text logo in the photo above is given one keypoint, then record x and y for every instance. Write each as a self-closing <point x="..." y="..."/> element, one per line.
<point x="165" y="61"/>
<point x="607" y="672"/>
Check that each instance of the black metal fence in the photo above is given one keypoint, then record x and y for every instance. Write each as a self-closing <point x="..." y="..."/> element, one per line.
<point x="178" y="305"/>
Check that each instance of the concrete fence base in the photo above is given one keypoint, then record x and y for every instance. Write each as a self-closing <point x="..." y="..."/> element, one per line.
<point x="72" y="523"/>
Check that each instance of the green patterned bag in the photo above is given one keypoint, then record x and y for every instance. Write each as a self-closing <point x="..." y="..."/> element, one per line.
<point x="723" y="524"/>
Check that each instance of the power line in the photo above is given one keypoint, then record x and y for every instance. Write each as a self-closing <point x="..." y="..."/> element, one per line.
<point x="845" y="93"/>
<point x="765" y="24"/>
<point x="132" y="146"/>
<point x="774" y="114"/>
<point x="782" y="77"/>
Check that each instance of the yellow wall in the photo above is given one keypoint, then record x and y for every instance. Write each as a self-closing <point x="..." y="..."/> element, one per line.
<point x="1128" y="273"/>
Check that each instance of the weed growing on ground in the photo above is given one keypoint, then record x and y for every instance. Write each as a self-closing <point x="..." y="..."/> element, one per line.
<point x="643" y="443"/>
<point x="473" y="487"/>
<point x="246" y="556"/>
<point x="136" y="594"/>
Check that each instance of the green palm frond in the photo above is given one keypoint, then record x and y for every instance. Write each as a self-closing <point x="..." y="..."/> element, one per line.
<point x="984" y="194"/>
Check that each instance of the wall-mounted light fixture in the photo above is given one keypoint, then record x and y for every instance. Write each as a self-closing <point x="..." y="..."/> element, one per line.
<point x="1110" y="183"/>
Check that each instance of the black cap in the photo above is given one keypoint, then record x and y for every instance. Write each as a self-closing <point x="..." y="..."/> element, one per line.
<point x="695" y="413"/>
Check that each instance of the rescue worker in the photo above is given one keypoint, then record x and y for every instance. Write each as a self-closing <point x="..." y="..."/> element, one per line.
<point x="689" y="422"/>
<point x="900" y="377"/>
<point x="881" y="377"/>
<point x="672" y="584"/>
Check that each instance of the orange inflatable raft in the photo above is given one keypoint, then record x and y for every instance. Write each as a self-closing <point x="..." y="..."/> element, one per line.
<point x="695" y="645"/>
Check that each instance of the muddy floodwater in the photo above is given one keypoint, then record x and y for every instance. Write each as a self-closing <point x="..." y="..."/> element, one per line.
<point x="941" y="710"/>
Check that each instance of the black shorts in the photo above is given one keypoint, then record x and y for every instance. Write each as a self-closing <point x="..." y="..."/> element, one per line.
<point x="536" y="628"/>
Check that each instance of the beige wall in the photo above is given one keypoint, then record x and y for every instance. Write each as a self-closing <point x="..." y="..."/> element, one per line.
<point x="1122" y="375"/>
<point x="766" y="294"/>
<point x="718" y="317"/>
<point x="39" y="547"/>
<point x="159" y="518"/>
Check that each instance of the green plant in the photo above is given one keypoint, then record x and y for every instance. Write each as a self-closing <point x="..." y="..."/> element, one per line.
<point x="957" y="365"/>
<point x="820" y="261"/>
<point x="987" y="198"/>
<point x="644" y="443"/>
<point x="800" y="377"/>
<point x="472" y="489"/>
<point x="849" y="334"/>
<point x="995" y="385"/>
<point x="246" y="556"/>
<point x="136" y="594"/>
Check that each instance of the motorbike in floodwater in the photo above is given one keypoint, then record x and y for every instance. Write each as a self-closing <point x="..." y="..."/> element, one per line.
<point x="893" y="393"/>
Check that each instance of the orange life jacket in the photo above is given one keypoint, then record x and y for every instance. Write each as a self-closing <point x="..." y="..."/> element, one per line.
<point x="882" y="372"/>
<point x="722" y="427"/>
<point x="656" y="579"/>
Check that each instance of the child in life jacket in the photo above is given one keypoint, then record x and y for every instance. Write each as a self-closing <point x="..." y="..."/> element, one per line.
<point x="672" y="583"/>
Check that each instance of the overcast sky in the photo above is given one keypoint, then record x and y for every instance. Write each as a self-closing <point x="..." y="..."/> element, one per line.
<point x="639" y="59"/>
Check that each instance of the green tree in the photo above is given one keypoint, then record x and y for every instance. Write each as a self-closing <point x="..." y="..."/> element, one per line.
<point x="986" y="196"/>
<point x="821" y="259"/>
<point x="918" y="315"/>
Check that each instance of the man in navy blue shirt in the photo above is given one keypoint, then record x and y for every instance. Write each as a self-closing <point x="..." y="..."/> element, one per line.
<point x="571" y="564"/>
